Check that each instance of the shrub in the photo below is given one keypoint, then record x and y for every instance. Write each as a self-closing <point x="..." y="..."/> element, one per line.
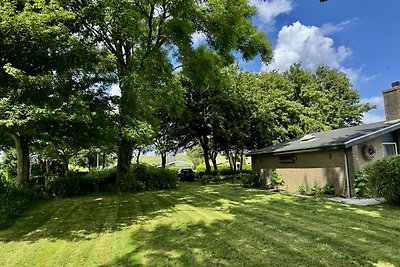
<point x="207" y="179"/>
<point x="250" y="180"/>
<point x="302" y="190"/>
<point x="233" y="172"/>
<point x="13" y="200"/>
<point x="383" y="178"/>
<point x="143" y="177"/>
<point x="276" y="180"/>
<point x="361" y="186"/>
<point x="316" y="191"/>
<point x="78" y="183"/>
<point x="328" y="190"/>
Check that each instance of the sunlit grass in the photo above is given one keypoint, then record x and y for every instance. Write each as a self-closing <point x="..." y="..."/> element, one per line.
<point x="201" y="226"/>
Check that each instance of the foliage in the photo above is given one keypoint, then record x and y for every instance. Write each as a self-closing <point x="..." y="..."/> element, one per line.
<point x="276" y="180"/>
<point x="195" y="154"/>
<point x="145" y="178"/>
<point x="13" y="200"/>
<point x="144" y="36"/>
<point x="298" y="101"/>
<point x="383" y="178"/>
<point x="50" y="80"/>
<point x="361" y="185"/>
<point x="302" y="190"/>
<point x="326" y="191"/>
<point x="75" y="183"/>
<point x="250" y="180"/>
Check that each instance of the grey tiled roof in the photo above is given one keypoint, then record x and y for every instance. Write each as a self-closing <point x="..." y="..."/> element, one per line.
<point x="334" y="139"/>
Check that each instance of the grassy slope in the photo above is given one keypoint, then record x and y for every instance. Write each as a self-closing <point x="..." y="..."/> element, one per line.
<point x="201" y="226"/>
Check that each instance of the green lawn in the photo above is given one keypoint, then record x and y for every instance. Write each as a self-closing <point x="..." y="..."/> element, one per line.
<point x="195" y="225"/>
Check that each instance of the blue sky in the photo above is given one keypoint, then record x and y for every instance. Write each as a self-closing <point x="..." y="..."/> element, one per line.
<point x="358" y="37"/>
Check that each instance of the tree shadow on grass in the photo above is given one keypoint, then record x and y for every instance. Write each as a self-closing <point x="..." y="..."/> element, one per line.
<point x="269" y="231"/>
<point x="82" y="218"/>
<point x="220" y="225"/>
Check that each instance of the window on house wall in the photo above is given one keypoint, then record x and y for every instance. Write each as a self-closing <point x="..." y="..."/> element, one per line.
<point x="389" y="149"/>
<point x="287" y="158"/>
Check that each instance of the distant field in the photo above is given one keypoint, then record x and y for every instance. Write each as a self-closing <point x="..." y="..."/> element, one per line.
<point x="156" y="160"/>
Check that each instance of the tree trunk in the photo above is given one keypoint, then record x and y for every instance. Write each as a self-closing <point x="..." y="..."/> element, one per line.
<point x="163" y="160"/>
<point x="65" y="160"/>
<point x="206" y="151"/>
<point x="241" y="160"/>
<point x="228" y="156"/>
<point x="138" y="157"/>
<point x="214" y="160"/>
<point x="22" y="148"/>
<point x="125" y="145"/>
<point x="125" y="150"/>
<point x="104" y="160"/>
<point x="47" y="161"/>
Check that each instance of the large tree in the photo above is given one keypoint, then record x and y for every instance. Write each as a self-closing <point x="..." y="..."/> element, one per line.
<point x="145" y="38"/>
<point x="301" y="101"/>
<point x="41" y="63"/>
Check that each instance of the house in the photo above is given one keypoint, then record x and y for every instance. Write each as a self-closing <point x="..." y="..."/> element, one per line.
<point x="333" y="157"/>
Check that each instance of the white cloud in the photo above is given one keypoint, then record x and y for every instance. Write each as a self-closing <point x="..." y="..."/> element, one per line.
<point x="115" y="91"/>
<point x="268" y="10"/>
<point x="374" y="100"/>
<point x="330" y="28"/>
<point x="371" y="117"/>
<point x="377" y="114"/>
<point x="308" y="45"/>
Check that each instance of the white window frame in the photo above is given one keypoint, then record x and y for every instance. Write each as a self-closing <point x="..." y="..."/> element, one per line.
<point x="389" y="143"/>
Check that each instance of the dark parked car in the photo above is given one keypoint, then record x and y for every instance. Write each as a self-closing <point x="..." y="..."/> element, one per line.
<point x="186" y="175"/>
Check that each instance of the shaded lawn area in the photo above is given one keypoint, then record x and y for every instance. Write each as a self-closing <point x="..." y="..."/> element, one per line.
<point x="219" y="225"/>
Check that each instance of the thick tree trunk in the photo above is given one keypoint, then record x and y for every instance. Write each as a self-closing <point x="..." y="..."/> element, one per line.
<point x="22" y="148"/>
<point x="206" y="151"/>
<point x="228" y="156"/>
<point x="65" y="161"/>
<point x="125" y="150"/>
<point x="214" y="160"/>
<point x="163" y="159"/>
<point x="241" y="160"/>
<point x="125" y="145"/>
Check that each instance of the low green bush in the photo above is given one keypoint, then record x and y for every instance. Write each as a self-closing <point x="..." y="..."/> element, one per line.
<point x="13" y="200"/>
<point x="326" y="191"/>
<point x="249" y="180"/>
<point x="276" y="181"/>
<point x="361" y="185"/>
<point x="302" y="190"/>
<point x="383" y="178"/>
<point x="79" y="183"/>
<point x="143" y="177"/>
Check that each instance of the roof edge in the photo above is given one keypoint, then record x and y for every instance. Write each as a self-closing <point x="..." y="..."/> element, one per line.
<point x="324" y="148"/>
<point x="369" y="136"/>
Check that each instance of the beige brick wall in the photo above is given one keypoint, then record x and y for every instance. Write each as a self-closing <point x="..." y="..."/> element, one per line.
<point x="309" y="169"/>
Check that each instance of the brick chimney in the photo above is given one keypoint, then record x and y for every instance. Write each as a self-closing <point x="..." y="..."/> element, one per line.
<point x="391" y="99"/>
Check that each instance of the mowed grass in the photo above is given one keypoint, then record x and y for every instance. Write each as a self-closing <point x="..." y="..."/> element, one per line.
<point x="220" y="225"/>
